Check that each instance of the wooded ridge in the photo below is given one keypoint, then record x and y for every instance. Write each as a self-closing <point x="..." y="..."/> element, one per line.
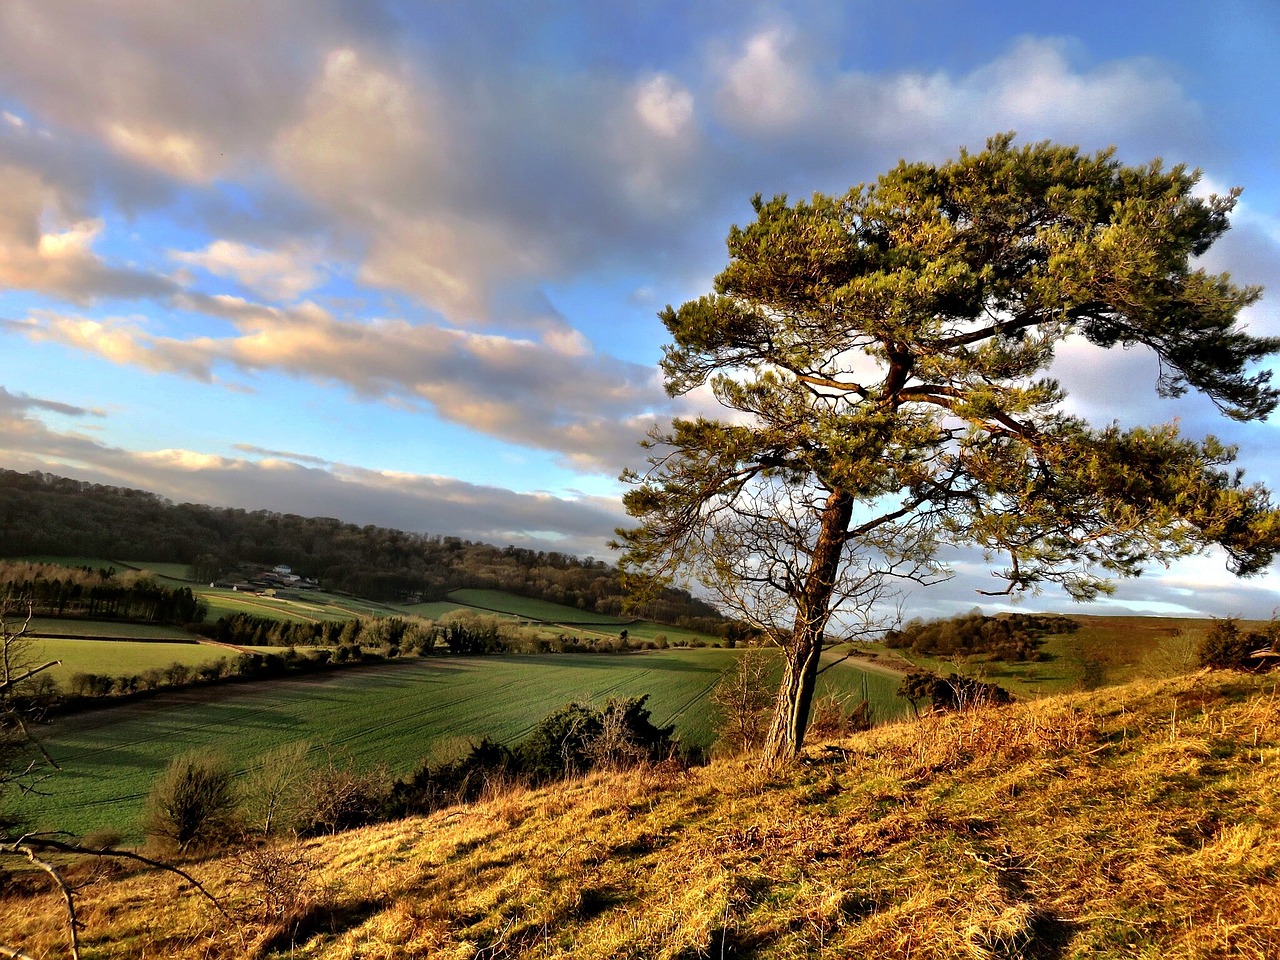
<point x="43" y="514"/>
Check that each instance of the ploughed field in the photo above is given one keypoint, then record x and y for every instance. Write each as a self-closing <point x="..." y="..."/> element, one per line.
<point x="395" y="715"/>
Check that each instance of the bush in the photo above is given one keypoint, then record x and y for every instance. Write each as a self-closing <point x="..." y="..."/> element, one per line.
<point x="277" y="793"/>
<point x="952" y="692"/>
<point x="558" y="746"/>
<point x="1174" y="656"/>
<point x="743" y="698"/>
<point x="627" y="737"/>
<point x="194" y="804"/>
<point x="278" y="879"/>
<point x="462" y="780"/>
<point x="579" y="737"/>
<point x="343" y="798"/>
<point x="833" y="717"/>
<point x="572" y="740"/>
<point x="1223" y="646"/>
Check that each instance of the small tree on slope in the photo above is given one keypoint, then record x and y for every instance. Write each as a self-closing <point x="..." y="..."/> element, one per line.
<point x="883" y="355"/>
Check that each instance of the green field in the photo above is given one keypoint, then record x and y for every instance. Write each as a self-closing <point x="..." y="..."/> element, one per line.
<point x="308" y="606"/>
<point x="179" y="572"/>
<point x="499" y="601"/>
<point x="433" y="609"/>
<point x="120" y="658"/>
<point x="108" y="629"/>
<point x="648" y="630"/>
<point x="1104" y="651"/>
<point x="552" y="619"/>
<point x="395" y="715"/>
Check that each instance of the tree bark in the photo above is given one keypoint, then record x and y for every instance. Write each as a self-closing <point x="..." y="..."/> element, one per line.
<point x="804" y="649"/>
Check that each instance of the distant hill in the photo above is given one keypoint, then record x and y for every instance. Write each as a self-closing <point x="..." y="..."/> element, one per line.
<point x="44" y="514"/>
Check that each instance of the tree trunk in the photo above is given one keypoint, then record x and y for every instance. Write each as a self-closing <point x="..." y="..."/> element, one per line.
<point x="803" y="650"/>
<point x="795" y="696"/>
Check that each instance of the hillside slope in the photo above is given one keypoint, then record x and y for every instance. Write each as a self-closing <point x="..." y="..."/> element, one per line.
<point x="1139" y="821"/>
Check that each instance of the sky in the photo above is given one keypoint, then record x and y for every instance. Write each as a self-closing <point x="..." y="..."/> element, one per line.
<point x="400" y="262"/>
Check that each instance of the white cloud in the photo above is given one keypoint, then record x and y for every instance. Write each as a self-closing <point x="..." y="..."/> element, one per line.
<point x="179" y="154"/>
<point x="188" y="90"/>
<point x="283" y="274"/>
<point x="554" y="393"/>
<point x="770" y="86"/>
<point x="664" y="105"/>
<point x="45" y="245"/>
<point x="777" y="88"/>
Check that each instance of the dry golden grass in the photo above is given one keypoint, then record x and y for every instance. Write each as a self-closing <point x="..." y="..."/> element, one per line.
<point x="1130" y="822"/>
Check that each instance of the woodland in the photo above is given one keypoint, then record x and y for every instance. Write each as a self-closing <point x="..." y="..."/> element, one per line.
<point x="46" y="515"/>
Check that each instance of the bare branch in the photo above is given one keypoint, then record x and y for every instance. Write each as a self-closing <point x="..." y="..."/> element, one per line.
<point x="7" y="685"/>
<point x="68" y="895"/>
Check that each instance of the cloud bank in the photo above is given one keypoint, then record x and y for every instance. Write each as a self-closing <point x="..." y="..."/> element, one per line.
<point x="418" y="207"/>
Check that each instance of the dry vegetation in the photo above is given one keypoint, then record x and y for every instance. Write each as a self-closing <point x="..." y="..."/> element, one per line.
<point x="1131" y="822"/>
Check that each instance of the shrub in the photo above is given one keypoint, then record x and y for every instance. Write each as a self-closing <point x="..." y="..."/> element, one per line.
<point x="557" y="747"/>
<point x="461" y="780"/>
<point x="833" y="718"/>
<point x="1174" y="656"/>
<point x="278" y="881"/>
<point x="194" y="804"/>
<point x="102" y="838"/>
<point x="743" y="697"/>
<point x="952" y="692"/>
<point x="343" y="798"/>
<point x="277" y="789"/>
<point x="578" y="737"/>
<point x="627" y="736"/>
<point x="1225" y="647"/>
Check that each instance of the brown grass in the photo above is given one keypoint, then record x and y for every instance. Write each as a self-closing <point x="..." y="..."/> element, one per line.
<point x="1141" y="821"/>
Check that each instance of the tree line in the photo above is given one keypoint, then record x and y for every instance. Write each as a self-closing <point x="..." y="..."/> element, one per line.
<point x="45" y="514"/>
<point x="1014" y="637"/>
<point x="57" y="591"/>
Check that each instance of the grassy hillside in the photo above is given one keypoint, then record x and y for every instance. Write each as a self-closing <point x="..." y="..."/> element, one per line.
<point x="105" y="630"/>
<point x="1138" y="822"/>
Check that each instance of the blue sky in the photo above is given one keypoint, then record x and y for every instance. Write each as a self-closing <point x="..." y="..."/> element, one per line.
<point x="399" y="263"/>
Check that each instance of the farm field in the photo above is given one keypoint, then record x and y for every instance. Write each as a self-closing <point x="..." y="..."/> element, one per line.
<point x="178" y="572"/>
<point x="1105" y="651"/>
<point x="395" y="715"/>
<point x="106" y="629"/>
<point x="309" y="607"/>
<point x="498" y="601"/>
<point x="557" y="618"/>
<point x="119" y="658"/>
<point x="649" y="630"/>
<point x="315" y="606"/>
<point x="433" y="609"/>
